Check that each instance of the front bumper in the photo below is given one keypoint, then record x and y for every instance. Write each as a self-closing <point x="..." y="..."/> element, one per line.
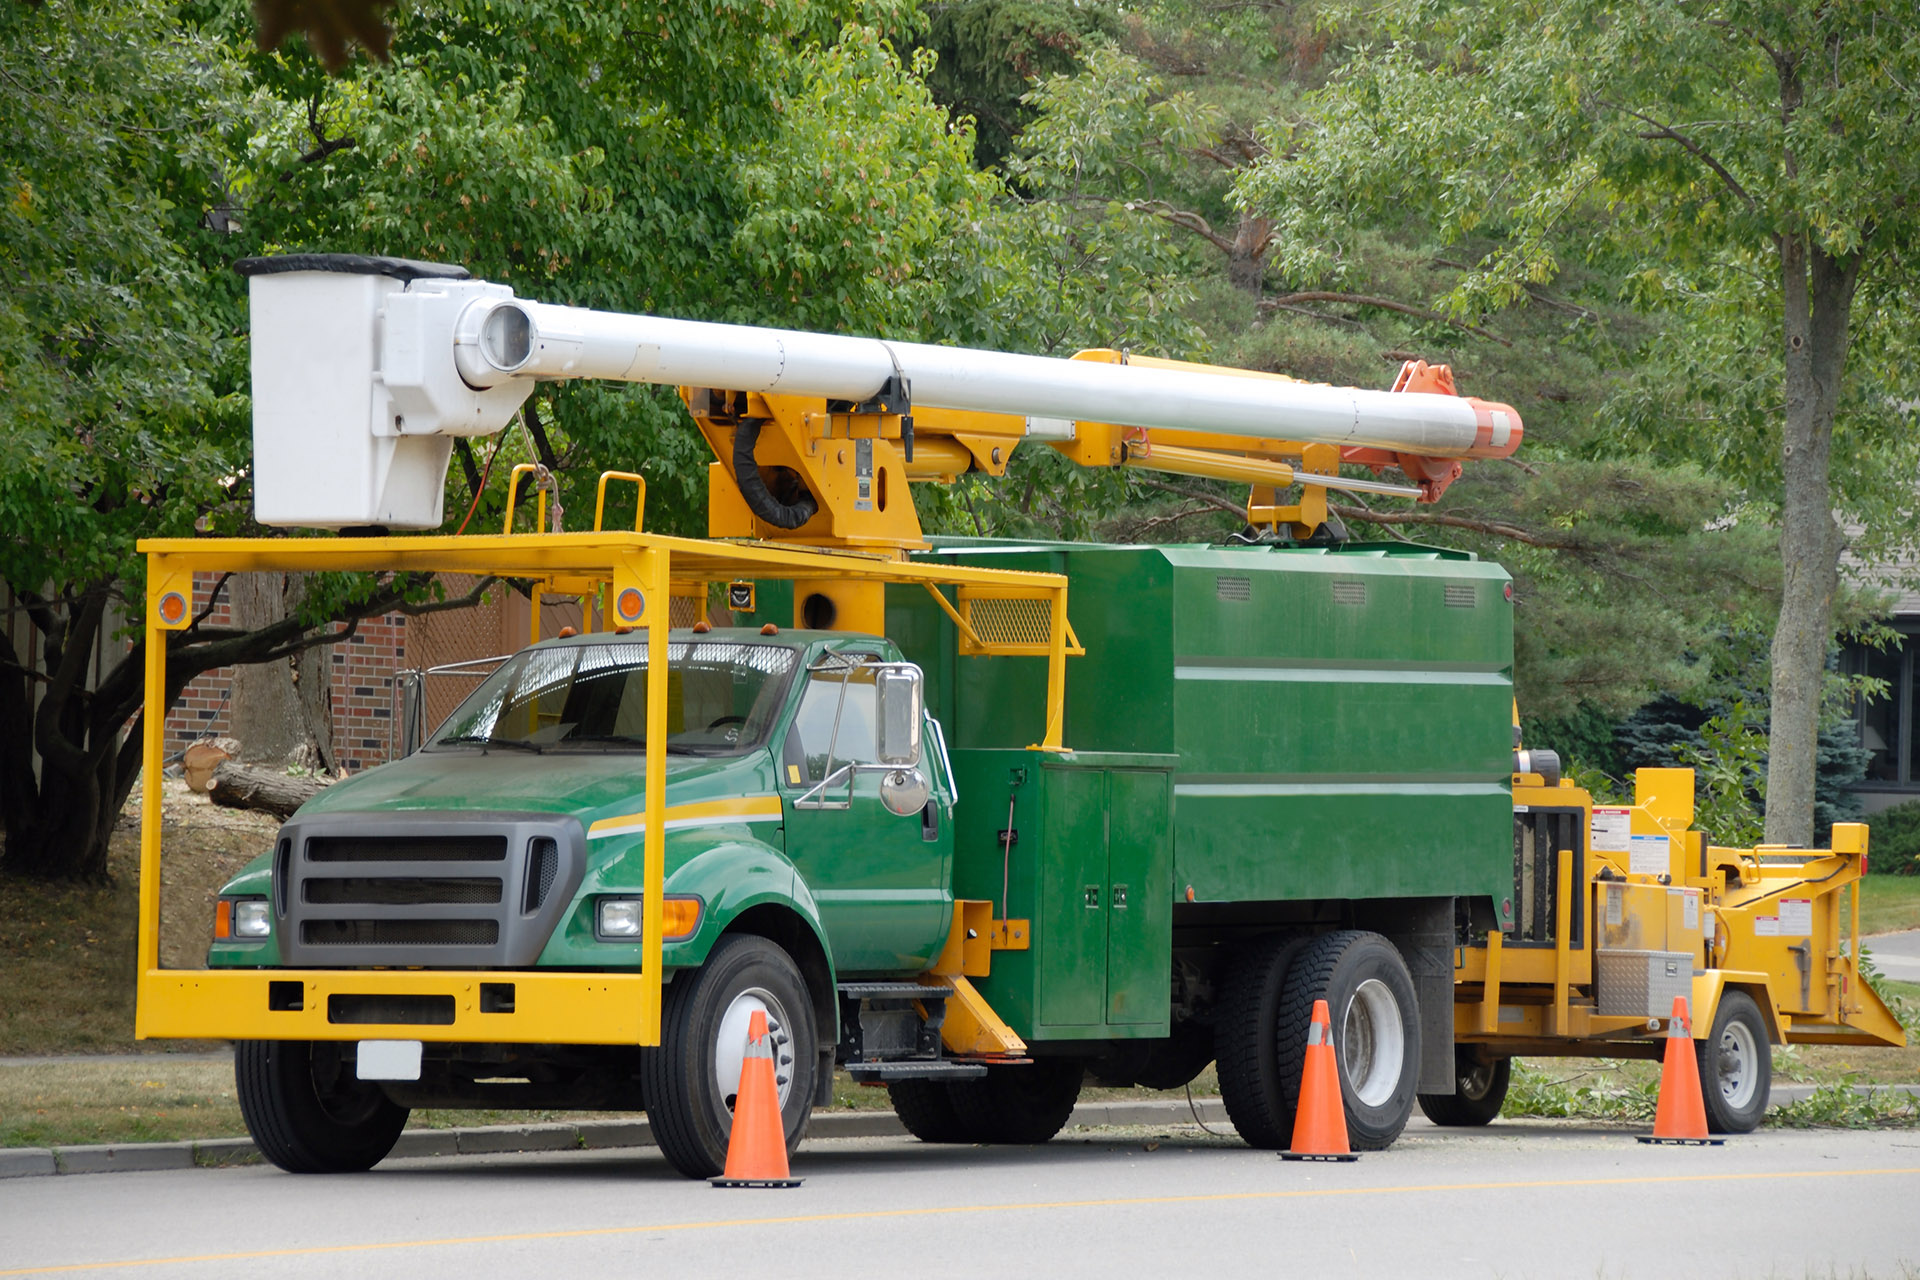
<point x="485" y="1006"/>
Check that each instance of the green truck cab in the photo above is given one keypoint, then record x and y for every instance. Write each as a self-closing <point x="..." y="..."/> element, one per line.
<point x="1289" y="778"/>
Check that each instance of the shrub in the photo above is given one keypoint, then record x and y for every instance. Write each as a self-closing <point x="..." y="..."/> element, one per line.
<point x="1894" y="846"/>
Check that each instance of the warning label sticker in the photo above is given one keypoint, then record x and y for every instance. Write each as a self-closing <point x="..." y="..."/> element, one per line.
<point x="1616" y="904"/>
<point x="1648" y="855"/>
<point x="1689" y="907"/>
<point x="1796" y="917"/>
<point x="1766" y="926"/>
<point x="1610" y="830"/>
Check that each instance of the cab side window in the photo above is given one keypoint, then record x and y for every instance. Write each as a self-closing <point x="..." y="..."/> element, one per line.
<point x="805" y="756"/>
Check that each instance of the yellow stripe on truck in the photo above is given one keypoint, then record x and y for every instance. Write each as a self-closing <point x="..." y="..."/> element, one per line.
<point x="705" y="813"/>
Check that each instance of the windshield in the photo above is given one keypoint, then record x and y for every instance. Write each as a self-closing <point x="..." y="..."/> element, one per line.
<point x="721" y="698"/>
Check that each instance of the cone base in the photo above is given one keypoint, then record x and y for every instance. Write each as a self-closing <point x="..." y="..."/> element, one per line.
<point x="1347" y="1157"/>
<point x="756" y="1182"/>
<point x="1652" y="1141"/>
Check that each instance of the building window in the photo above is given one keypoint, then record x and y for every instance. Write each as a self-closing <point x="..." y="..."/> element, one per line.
<point x="1889" y="727"/>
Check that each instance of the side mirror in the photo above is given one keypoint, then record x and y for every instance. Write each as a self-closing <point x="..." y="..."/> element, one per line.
<point x="904" y="791"/>
<point x="899" y="690"/>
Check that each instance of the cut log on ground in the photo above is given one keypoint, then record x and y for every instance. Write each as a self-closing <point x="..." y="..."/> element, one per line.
<point x="237" y="787"/>
<point x="200" y="760"/>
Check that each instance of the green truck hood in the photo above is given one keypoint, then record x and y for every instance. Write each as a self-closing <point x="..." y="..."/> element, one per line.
<point x="580" y="783"/>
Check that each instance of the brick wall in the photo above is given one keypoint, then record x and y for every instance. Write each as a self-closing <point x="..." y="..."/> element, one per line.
<point x="363" y="674"/>
<point x="362" y="669"/>
<point x="202" y="709"/>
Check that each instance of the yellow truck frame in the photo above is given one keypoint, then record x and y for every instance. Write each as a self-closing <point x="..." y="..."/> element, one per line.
<point x="632" y="577"/>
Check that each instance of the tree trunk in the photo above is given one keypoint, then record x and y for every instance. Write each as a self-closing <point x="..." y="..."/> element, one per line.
<point x="237" y="787"/>
<point x="280" y="710"/>
<point x="1817" y="291"/>
<point x="1247" y="257"/>
<point x="59" y="823"/>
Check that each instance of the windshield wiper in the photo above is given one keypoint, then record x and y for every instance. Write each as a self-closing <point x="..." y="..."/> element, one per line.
<point x="628" y="740"/>
<point x="621" y="739"/>
<point x="484" y="741"/>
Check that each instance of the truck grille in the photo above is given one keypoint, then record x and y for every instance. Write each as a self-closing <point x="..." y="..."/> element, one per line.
<point x="468" y="890"/>
<point x="406" y="849"/>
<point x="404" y="890"/>
<point x="399" y="933"/>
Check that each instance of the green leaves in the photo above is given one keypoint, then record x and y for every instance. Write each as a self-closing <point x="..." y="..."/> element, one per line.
<point x="103" y="346"/>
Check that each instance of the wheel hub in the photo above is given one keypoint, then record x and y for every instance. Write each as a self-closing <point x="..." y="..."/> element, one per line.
<point x="730" y="1044"/>
<point x="1736" y="1062"/>
<point x="1373" y="1042"/>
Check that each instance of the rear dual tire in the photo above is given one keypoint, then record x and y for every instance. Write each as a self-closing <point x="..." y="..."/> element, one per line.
<point x="1261" y="1035"/>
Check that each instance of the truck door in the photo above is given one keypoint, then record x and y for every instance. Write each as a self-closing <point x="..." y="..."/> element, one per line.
<point x="881" y="879"/>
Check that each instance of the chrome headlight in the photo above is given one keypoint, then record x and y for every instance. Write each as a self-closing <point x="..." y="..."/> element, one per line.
<point x="250" y="918"/>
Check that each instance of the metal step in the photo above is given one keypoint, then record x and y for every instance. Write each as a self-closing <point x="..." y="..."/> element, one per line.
<point x="892" y="990"/>
<point x="916" y="1069"/>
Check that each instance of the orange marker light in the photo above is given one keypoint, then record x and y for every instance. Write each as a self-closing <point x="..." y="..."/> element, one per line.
<point x="630" y="605"/>
<point x="173" y="608"/>
<point x="223" y="919"/>
<point x="679" y="917"/>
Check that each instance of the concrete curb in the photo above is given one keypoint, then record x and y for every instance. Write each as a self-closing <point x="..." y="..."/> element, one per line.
<point x="590" y="1135"/>
<point x="611" y="1135"/>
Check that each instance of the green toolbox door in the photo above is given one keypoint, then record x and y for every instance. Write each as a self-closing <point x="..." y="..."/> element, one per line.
<point x="1073" y="899"/>
<point x="1139" y="897"/>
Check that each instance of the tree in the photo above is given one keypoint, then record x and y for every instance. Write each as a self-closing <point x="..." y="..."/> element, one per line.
<point x="991" y="51"/>
<point x="148" y="152"/>
<point x="1734" y="163"/>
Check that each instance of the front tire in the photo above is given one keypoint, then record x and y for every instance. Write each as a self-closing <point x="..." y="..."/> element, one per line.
<point x="691" y="1077"/>
<point x="307" y="1111"/>
<point x="1736" y="1065"/>
<point x="1479" y="1089"/>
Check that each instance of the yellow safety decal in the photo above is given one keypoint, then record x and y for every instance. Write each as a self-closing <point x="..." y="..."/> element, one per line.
<point x="706" y="813"/>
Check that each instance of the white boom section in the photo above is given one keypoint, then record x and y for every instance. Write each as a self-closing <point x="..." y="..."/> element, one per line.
<point x="508" y="338"/>
<point x="364" y="369"/>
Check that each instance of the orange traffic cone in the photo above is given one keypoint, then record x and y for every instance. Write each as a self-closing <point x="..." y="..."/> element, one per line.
<point x="1681" y="1118"/>
<point x="1320" y="1121"/>
<point x="757" y="1148"/>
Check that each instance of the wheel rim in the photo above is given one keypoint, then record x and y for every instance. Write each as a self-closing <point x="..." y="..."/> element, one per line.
<point x="1737" y="1065"/>
<point x="341" y="1096"/>
<point x="1374" y="1042"/>
<point x="1475" y="1082"/>
<point x="730" y="1044"/>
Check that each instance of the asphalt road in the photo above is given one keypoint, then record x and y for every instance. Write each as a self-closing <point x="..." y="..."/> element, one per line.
<point x="1517" y="1199"/>
<point x="1896" y="954"/>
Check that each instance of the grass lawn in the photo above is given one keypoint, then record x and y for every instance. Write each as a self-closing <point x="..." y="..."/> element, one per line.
<point x="1889" y="904"/>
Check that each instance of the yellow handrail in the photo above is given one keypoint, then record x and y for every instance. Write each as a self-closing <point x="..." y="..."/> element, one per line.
<point x="513" y="492"/>
<point x="639" y="502"/>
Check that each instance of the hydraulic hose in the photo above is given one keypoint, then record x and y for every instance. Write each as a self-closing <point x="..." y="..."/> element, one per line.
<point x="760" y="499"/>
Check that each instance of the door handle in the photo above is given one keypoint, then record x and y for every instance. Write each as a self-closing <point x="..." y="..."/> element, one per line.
<point x="1120" y="897"/>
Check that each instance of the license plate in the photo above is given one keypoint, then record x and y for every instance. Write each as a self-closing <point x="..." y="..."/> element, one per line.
<point x="388" y="1060"/>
